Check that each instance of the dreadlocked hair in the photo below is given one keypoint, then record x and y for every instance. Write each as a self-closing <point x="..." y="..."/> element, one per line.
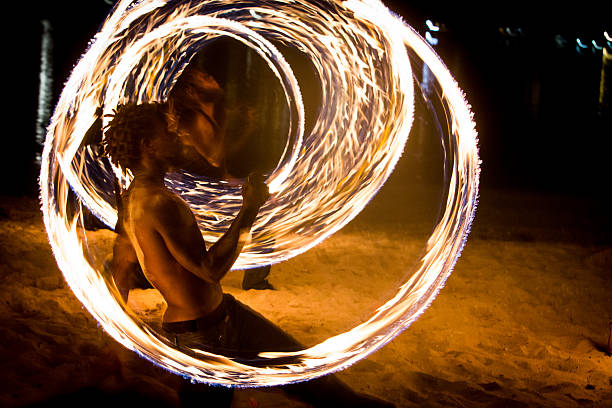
<point x="131" y="125"/>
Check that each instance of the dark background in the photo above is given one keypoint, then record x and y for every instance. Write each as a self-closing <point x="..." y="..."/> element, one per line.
<point x="542" y="132"/>
<point x="536" y="103"/>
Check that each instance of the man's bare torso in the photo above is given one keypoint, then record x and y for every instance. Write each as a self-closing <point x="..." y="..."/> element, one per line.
<point x="150" y="207"/>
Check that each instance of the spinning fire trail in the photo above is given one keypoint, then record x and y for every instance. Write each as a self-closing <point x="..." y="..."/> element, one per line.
<point x="364" y="56"/>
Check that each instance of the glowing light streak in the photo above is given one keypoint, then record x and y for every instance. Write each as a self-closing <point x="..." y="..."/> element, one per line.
<point x="362" y="53"/>
<point x="45" y="84"/>
<point x="510" y="32"/>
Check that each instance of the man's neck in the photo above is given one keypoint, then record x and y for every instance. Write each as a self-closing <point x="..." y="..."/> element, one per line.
<point x="150" y="174"/>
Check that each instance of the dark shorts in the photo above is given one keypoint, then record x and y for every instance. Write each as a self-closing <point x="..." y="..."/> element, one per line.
<point x="233" y="330"/>
<point x="238" y="332"/>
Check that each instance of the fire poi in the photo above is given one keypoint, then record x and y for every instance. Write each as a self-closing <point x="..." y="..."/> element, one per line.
<point x="366" y="58"/>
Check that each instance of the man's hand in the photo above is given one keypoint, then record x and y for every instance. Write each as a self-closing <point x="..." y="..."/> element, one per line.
<point x="254" y="193"/>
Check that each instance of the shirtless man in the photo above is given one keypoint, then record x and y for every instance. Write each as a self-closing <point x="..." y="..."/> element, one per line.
<point x="164" y="237"/>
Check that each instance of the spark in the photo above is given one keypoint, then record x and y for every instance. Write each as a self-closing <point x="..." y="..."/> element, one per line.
<point x="363" y="54"/>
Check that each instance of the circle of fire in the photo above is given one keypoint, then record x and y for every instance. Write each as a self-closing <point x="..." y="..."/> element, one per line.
<point x="363" y="54"/>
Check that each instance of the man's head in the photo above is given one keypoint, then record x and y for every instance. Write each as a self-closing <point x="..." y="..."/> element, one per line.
<point x="139" y="130"/>
<point x="196" y="112"/>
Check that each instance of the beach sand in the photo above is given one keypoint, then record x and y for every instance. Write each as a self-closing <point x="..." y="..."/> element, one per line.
<point x="523" y="320"/>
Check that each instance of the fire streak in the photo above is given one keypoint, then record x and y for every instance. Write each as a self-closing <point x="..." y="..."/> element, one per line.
<point x="363" y="54"/>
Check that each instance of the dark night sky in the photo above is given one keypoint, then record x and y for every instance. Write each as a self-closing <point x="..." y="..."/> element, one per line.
<point x="561" y="146"/>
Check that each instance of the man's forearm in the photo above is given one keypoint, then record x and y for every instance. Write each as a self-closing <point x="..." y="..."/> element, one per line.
<point x="122" y="281"/>
<point x="226" y="250"/>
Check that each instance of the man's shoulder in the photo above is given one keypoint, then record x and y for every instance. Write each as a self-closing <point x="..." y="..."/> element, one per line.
<point x="155" y="202"/>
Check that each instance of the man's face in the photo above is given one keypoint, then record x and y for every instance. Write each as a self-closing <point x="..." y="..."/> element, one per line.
<point x="198" y="128"/>
<point x="203" y="133"/>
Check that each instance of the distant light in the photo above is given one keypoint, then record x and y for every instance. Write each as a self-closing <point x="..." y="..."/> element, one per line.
<point x="607" y="36"/>
<point x="597" y="47"/>
<point x="580" y="44"/>
<point x="560" y="41"/>
<point x="432" y="26"/>
<point x="430" y="39"/>
<point x="45" y="90"/>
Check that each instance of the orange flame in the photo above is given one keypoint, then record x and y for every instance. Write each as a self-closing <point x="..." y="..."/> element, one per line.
<point x="363" y="55"/>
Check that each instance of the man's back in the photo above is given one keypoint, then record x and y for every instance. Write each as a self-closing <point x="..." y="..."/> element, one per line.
<point x="165" y="237"/>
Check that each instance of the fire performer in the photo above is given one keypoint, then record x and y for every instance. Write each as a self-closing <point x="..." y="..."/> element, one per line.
<point x="159" y="233"/>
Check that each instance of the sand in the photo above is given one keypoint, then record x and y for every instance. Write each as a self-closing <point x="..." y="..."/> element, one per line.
<point x="522" y="321"/>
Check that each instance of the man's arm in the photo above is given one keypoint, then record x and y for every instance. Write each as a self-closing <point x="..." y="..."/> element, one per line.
<point x="175" y="224"/>
<point x="124" y="265"/>
<point x="227" y="248"/>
